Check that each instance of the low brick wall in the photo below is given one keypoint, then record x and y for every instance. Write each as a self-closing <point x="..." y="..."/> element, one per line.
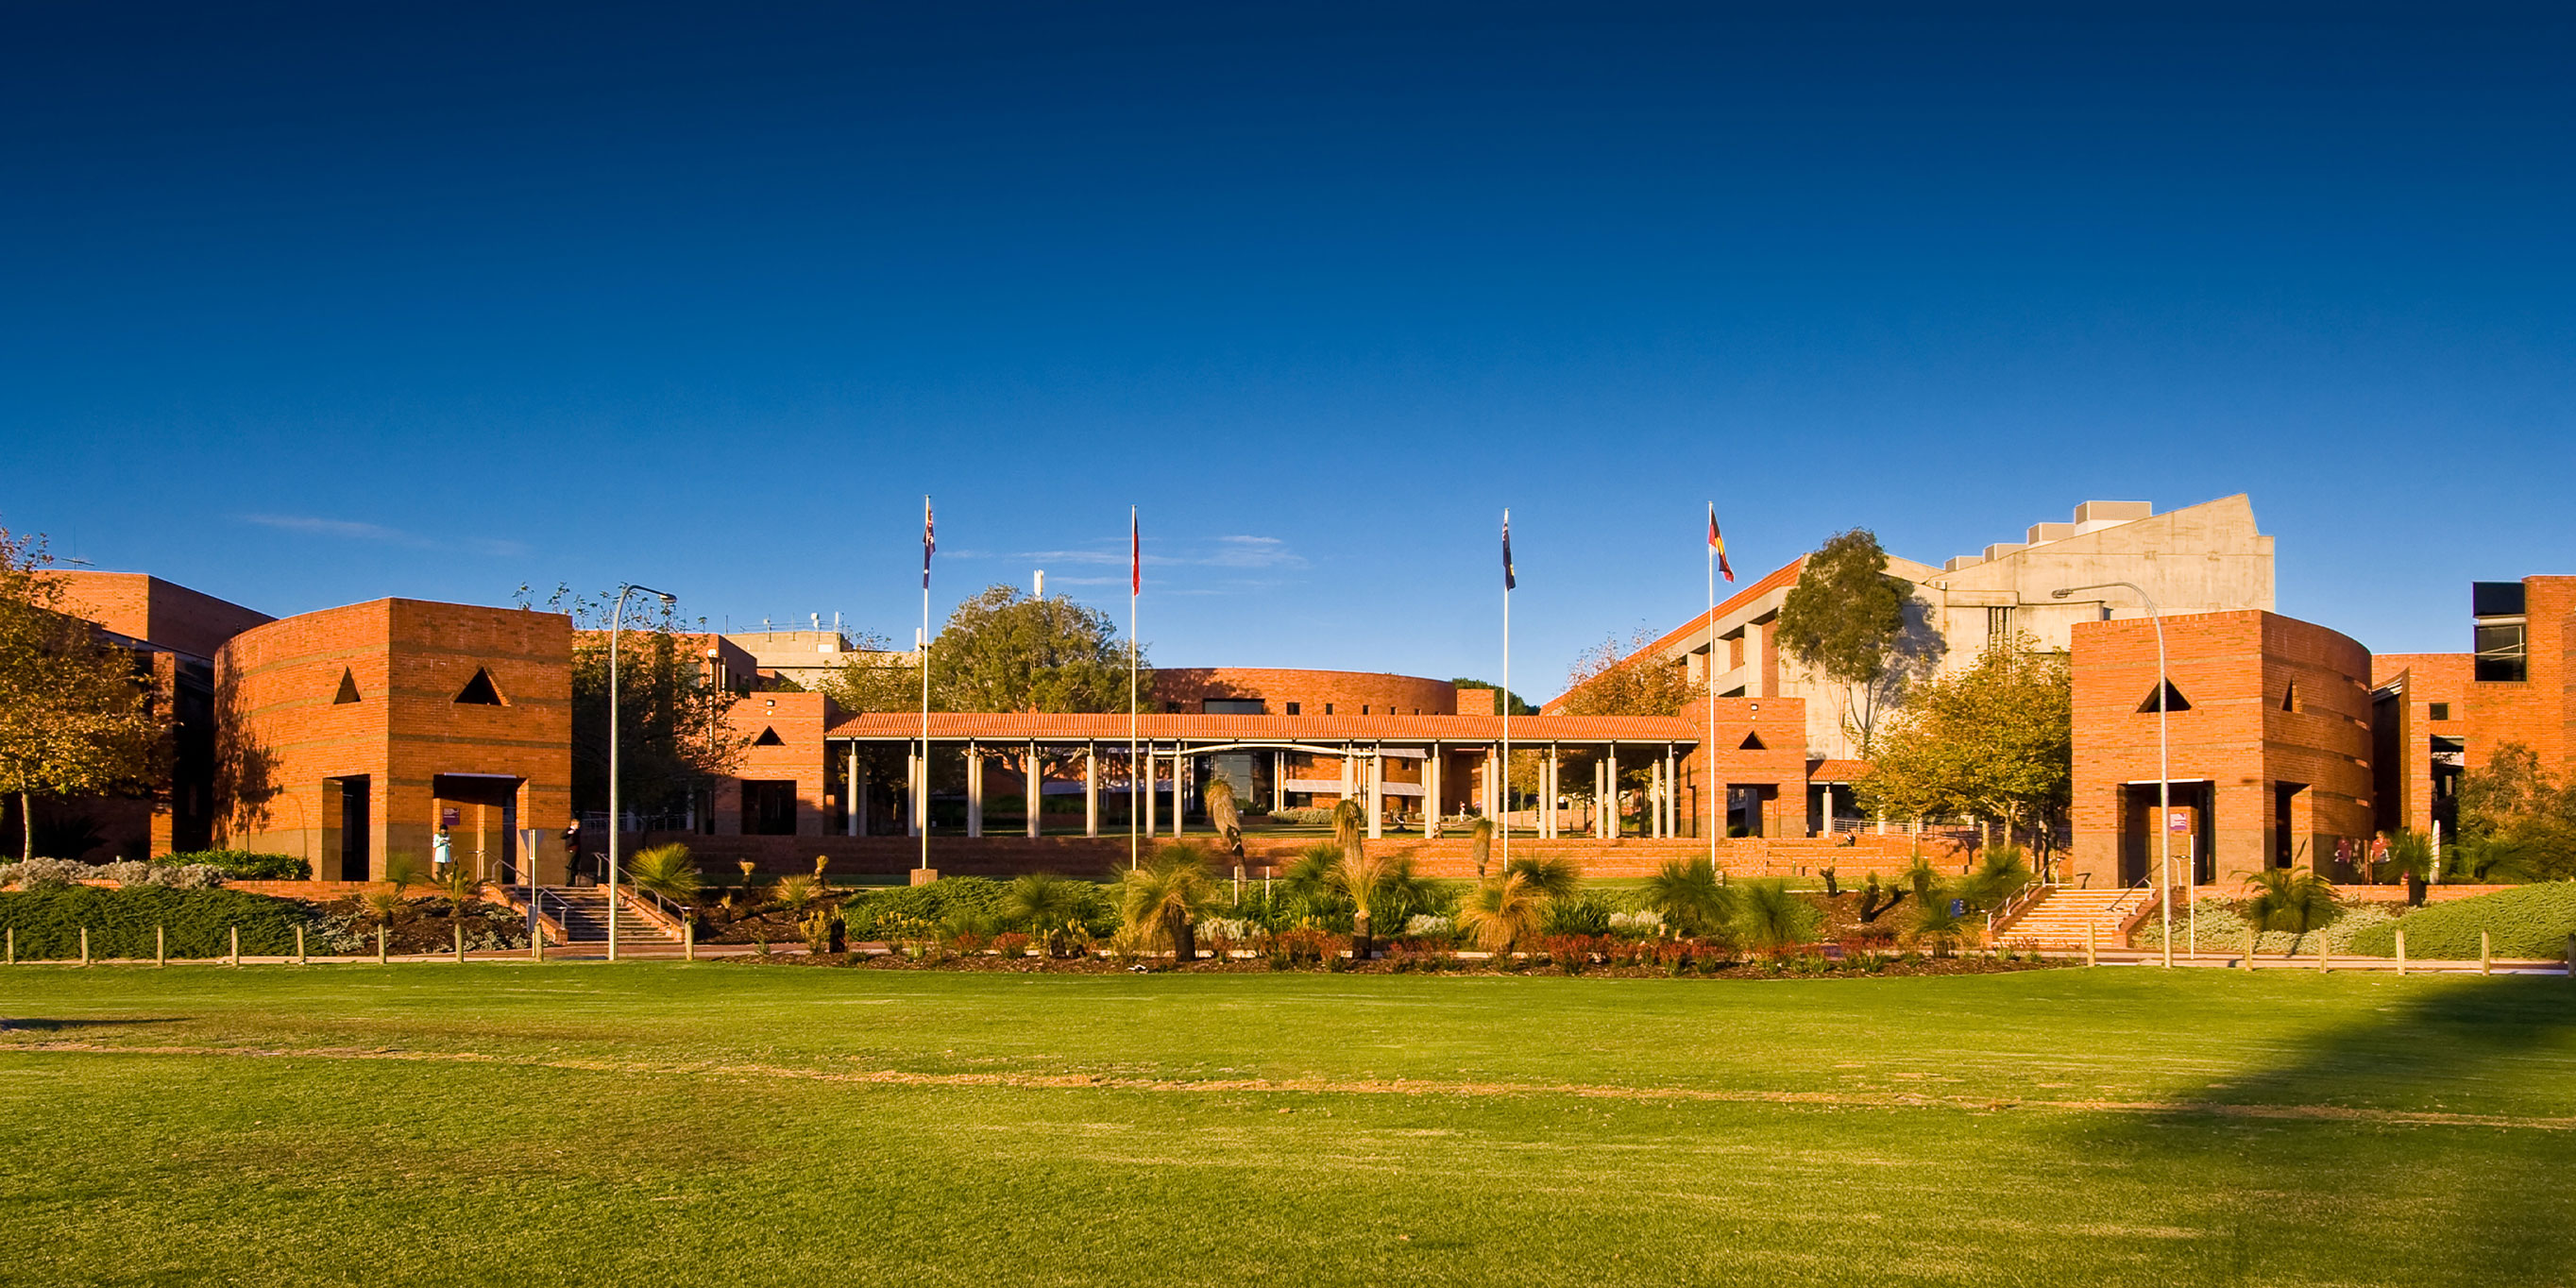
<point x="1449" y="857"/>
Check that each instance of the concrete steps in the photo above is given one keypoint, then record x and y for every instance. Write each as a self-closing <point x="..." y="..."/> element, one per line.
<point x="583" y="910"/>
<point x="2061" y="918"/>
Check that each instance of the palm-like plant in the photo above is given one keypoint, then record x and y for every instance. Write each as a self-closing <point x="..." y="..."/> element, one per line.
<point x="1691" y="896"/>
<point x="1372" y="885"/>
<point x="795" y="892"/>
<point x="1502" y="911"/>
<point x="667" y="871"/>
<point x="1936" y="923"/>
<point x="1549" y="878"/>
<point x="2290" y="899"/>
<point x="2410" y="855"/>
<point x="1480" y="844"/>
<point x="1771" y="919"/>
<point x="2000" y="874"/>
<point x="461" y="885"/>
<point x="1166" y="897"/>
<point x="1047" y="905"/>
<point x="404" y="870"/>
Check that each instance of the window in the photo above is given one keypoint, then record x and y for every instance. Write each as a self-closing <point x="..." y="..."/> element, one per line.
<point x="2173" y="699"/>
<point x="479" y="692"/>
<point x="348" y="688"/>
<point x="2503" y="653"/>
<point x="1171" y="708"/>
<point x="768" y="807"/>
<point x="1364" y="708"/>
<point x="2439" y="711"/>
<point x="1293" y="709"/>
<point x="2495" y="599"/>
<point x="1328" y="708"/>
<point x="769" y="738"/>
<point x="2290" y="696"/>
<point x="1234" y="707"/>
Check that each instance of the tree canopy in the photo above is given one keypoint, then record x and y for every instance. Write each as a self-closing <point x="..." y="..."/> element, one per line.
<point x="1846" y="621"/>
<point x="2516" y="816"/>
<point x="1512" y="702"/>
<point x="1002" y="650"/>
<point x="76" y="716"/>
<point x="1995" y="741"/>
<point x="671" y="728"/>
<point x="1615" y="678"/>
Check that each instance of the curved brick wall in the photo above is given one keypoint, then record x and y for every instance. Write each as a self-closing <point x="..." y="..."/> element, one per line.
<point x="1346" y="692"/>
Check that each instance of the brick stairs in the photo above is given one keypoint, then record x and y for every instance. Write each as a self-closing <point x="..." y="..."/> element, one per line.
<point x="2059" y="917"/>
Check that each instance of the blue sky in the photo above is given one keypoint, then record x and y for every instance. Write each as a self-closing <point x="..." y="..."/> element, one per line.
<point x="306" y="305"/>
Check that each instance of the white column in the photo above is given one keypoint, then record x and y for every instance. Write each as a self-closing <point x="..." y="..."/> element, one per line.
<point x="1827" y="826"/>
<point x="1376" y="793"/>
<point x="1180" y="780"/>
<point x="1033" y="786"/>
<point x="1350" y="775"/>
<point x="854" y="798"/>
<point x="1278" y="781"/>
<point x="1431" y="792"/>
<point x="1610" y="763"/>
<point x="1145" y="767"/>
<point x="1547" y="795"/>
<point x="915" y="791"/>
<point x="1091" y="789"/>
<point x="1600" y="816"/>
<point x="974" y="791"/>
<point x="1655" y="806"/>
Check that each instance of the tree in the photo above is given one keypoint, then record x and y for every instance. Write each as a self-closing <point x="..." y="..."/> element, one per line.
<point x="2515" y="817"/>
<point x="1994" y="742"/>
<point x="77" y="718"/>
<point x="1001" y="651"/>
<point x="1167" y="896"/>
<point x="2000" y="874"/>
<point x="2287" y="899"/>
<point x="1848" y="621"/>
<point x="2410" y="856"/>
<point x="667" y="871"/>
<point x="1501" y="912"/>
<point x="1613" y="678"/>
<point x="1771" y="919"/>
<point x="1692" y="896"/>
<point x="673" y="735"/>
<point x="1050" y="906"/>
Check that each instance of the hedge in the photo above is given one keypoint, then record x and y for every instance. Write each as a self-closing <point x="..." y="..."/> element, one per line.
<point x="2532" y="921"/>
<point x="243" y="865"/>
<point x="870" y="913"/>
<point x="48" y="922"/>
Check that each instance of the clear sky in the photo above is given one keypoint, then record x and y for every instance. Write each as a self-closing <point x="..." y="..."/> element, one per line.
<point x="303" y="305"/>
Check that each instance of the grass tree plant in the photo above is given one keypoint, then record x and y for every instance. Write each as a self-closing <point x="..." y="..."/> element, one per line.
<point x="2288" y="899"/>
<point x="1502" y="911"/>
<point x="1166" y="897"/>
<point x="1693" y="897"/>
<point x="1049" y="906"/>
<point x="1771" y="919"/>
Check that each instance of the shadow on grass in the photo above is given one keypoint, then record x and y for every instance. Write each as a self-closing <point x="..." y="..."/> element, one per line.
<point x="58" y="1026"/>
<point x="2475" y="1201"/>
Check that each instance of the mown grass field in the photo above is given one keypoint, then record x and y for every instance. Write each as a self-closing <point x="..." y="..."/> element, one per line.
<point x="733" y="1124"/>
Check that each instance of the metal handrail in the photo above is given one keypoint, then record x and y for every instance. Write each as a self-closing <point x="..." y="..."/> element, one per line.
<point x="2014" y="906"/>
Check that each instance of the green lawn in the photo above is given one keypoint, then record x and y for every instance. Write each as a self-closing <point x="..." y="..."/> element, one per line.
<point x="736" y="1124"/>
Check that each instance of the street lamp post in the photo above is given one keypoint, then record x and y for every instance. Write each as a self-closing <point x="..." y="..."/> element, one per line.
<point x="616" y="621"/>
<point x="2164" y="756"/>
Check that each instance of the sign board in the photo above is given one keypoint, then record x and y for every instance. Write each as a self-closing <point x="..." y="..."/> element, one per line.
<point x="2178" y="821"/>
<point x="448" y="816"/>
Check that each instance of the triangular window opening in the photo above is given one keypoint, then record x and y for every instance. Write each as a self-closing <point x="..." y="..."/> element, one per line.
<point x="769" y="738"/>
<point x="479" y="691"/>
<point x="348" y="688"/>
<point x="1752" y="742"/>
<point x="2174" y="701"/>
<point x="2290" y="697"/>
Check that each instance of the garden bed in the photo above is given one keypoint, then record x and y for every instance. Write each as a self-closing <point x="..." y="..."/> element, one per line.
<point x="1404" y="963"/>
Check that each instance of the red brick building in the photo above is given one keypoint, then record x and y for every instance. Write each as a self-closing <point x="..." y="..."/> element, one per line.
<point x="2270" y="743"/>
<point x="355" y="733"/>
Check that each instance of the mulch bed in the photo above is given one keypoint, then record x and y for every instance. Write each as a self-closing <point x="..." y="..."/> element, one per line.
<point x="1792" y="969"/>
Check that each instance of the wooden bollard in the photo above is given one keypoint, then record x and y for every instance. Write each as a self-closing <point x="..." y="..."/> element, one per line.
<point x="2486" y="955"/>
<point x="2092" y="944"/>
<point x="84" y="945"/>
<point x="2401" y="952"/>
<point x="160" y="945"/>
<point x="689" y="938"/>
<point x="13" y="945"/>
<point x="236" y="945"/>
<point x="459" y="928"/>
<point x="380" y="945"/>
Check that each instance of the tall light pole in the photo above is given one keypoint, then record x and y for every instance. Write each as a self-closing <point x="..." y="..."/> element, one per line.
<point x="2164" y="756"/>
<point x="616" y="621"/>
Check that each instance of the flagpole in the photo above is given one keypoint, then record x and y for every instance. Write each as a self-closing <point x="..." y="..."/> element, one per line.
<point x="1708" y="695"/>
<point x="1135" y="583"/>
<point x="924" y="785"/>
<point x="1503" y="779"/>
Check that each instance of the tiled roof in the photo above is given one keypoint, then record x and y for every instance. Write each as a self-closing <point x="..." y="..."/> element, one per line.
<point x="1011" y="727"/>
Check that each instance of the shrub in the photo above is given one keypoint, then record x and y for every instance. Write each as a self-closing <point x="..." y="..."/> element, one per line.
<point x="873" y="914"/>
<point x="44" y="874"/>
<point x="48" y="922"/>
<point x="2532" y="922"/>
<point x="241" y="865"/>
<point x="1587" y="913"/>
<point x="1304" y="816"/>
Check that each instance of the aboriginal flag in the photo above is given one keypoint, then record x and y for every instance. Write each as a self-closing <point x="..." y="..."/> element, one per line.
<point x="1718" y="544"/>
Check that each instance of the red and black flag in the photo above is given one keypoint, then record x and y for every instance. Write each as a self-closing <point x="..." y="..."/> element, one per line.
<point x="1718" y="544"/>
<point x="1508" y="580"/>
<point x="928" y="543"/>
<point x="1135" y="556"/>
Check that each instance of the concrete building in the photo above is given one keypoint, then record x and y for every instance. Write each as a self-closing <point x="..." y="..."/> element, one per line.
<point x="2200" y="559"/>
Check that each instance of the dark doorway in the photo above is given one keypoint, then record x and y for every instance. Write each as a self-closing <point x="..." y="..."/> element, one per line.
<point x="1744" y="808"/>
<point x="2285" y="797"/>
<point x="769" y="807"/>
<point x="2144" y="814"/>
<point x="354" y="858"/>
